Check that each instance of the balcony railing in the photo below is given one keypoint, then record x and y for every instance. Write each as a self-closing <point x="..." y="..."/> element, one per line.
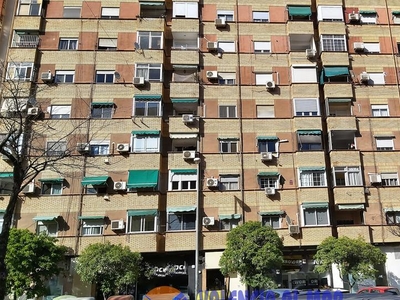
<point x="25" y="41"/>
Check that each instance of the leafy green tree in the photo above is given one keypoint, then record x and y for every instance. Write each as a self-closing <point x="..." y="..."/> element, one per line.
<point x="31" y="261"/>
<point x="255" y="252"/>
<point x="353" y="257"/>
<point x="110" y="267"/>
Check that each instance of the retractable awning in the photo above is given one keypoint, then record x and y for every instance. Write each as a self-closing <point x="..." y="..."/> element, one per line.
<point x="147" y="97"/>
<point x="181" y="209"/>
<point x="146" y="132"/>
<point x="266" y="174"/>
<point x="91" y="217"/>
<point x="94" y="180"/>
<point x="272" y="213"/>
<point x="299" y="11"/>
<point x="152" y="3"/>
<point x="142" y="179"/>
<point x="45" y="218"/>
<point x="184" y="171"/>
<point x="230" y="217"/>
<point x="228" y="138"/>
<point x="102" y="103"/>
<point x="312" y="168"/>
<point x="335" y="71"/>
<point x="184" y="100"/>
<point x="391" y="209"/>
<point x="6" y="174"/>
<point x="53" y="180"/>
<point x="142" y="212"/>
<point x="267" y="138"/>
<point x="309" y="132"/>
<point x="339" y="100"/>
<point x="183" y="135"/>
<point x="351" y="206"/>
<point x="367" y="12"/>
<point x="315" y="204"/>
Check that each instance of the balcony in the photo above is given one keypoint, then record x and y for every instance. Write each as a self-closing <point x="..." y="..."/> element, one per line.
<point x="338" y="90"/>
<point x="335" y="58"/>
<point x="23" y="40"/>
<point x="300" y="28"/>
<point x="347" y="158"/>
<point x="342" y="123"/>
<point x="213" y="240"/>
<point x="180" y="241"/>
<point x="184" y="89"/>
<point x="185" y="57"/>
<point x="349" y="195"/>
<point x="339" y="107"/>
<point x="185" y="25"/>
<point x="384" y="234"/>
<point x="27" y="23"/>
<point x="342" y="139"/>
<point x="354" y="231"/>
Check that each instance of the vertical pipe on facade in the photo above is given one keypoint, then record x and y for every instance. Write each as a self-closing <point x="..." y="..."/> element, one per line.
<point x="198" y="224"/>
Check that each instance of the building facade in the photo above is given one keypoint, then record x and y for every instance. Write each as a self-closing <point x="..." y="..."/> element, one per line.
<point x="210" y="114"/>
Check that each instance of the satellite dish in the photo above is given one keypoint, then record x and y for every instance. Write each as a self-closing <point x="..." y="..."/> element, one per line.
<point x="137" y="46"/>
<point x="117" y="75"/>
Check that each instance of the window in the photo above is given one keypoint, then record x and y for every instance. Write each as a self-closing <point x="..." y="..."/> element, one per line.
<point x="393" y="217"/>
<point x="270" y="220"/>
<point x="309" y="140"/>
<point x="185" y="10"/>
<point x="390" y="179"/>
<point x="49" y="228"/>
<point x="268" y="181"/>
<point x="262" y="47"/>
<point x="228" y="224"/>
<point x="51" y="188"/>
<point x="60" y="111"/>
<point x="267" y="145"/>
<point x="372" y="47"/>
<point x="1" y="220"/>
<point x="333" y="43"/>
<point x="68" y="44"/>
<point x="330" y="13"/>
<point x="368" y="17"/>
<point x="182" y="182"/>
<point x="227" y="111"/>
<point x="225" y="14"/>
<point x="227" y="78"/>
<point x="260" y="16"/>
<point x="304" y="74"/>
<point x="72" y="12"/>
<point x="25" y="39"/>
<point x="58" y="148"/>
<point x="309" y="177"/>
<point x="93" y="227"/>
<point x="229" y="182"/>
<point x="384" y="143"/>
<point x="265" y="111"/>
<point x="6" y="185"/>
<point x="64" y="76"/>
<point x="20" y="71"/>
<point x="107" y="44"/>
<point x="29" y="8"/>
<point x="263" y="78"/>
<point x="315" y="216"/>
<point x="142" y="223"/>
<point x="99" y="147"/>
<point x="182" y="221"/>
<point x="152" y="72"/>
<point x="104" y="76"/>
<point x="150" y="39"/>
<point x="146" y="143"/>
<point x="396" y="17"/>
<point x="110" y="12"/>
<point x="102" y="111"/>
<point x="380" y="110"/>
<point x="226" y="46"/>
<point x="228" y="146"/>
<point x="376" y="78"/>
<point x="147" y="108"/>
<point x="347" y="176"/>
<point x="306" y="107"/>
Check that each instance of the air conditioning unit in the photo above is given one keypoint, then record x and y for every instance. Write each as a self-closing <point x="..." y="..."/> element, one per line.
<point x="123" y="147"/>
<point x="187" y="118"/>
<point x="220" y="22"/>
<point x="208" y="221"/>
<point x="212" y="74"/>
<point x="117" y="225"/>
<point x="354" y="17"/>
<point x="266" y="156"/>
<point x="212" y="182"/>
<point x="358" y="46"/>
<point x="375" y="178"/>
<point x="138" y="81"/>
<point x="82" y="147"/>
<point x="33" y="111"/>
<point x="310" y="53"/>
<point x="120" y="186"/>
<point x="46" y="76"/>
<point x="270" y="84"/>
<point x="212" y="46"/>
<point x="29" y="188"/>
<point x="189" y="154"/>
<point x="269" y="191"/>
<point x="294" y="229"/>
<point x="364" y="77"/>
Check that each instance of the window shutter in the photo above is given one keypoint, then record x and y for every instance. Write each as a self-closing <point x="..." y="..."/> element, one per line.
<point x="227" y="75"/>
<point x="179" y="9"/>
<point x="262" y="79"/>
<point x="61" y="110"/>
<point x="192" y="10"/>
<point x="108" y="43"/>
<point x="306" y="105"/>
<point x="377" y="78"/>
<point x="389" y="175"/>
<point x="304" y="75"/>
<point x="384" y="142"/>
<point x="227" y="46"/>
<point x="262" y="46"/>
<point x="257" y="15"/>
<point x="110" y="11"/>
<point x="372" y="47"/>
<point x="265" y="111"/>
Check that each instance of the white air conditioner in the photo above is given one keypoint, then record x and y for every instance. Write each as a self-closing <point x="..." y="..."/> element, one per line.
<point x="123" y="147"/>
<point x="269" y="191"/>
<point x="120" y="186"/>
<point x="294" y="229"/>
<point x="82" y="147"/>
<point x="354" y="17"/>
<point x="221" y="22"/>
<point x="187" y="118"/>
<point x="212" y="46"/>
<point x="138" y="81"/>
<point x="266" y="156"/>
<point x="375" y="178"/>
<point x="310" y="53"/>
<point x="212" y="182"/>
<point x="364" y="77"/>
<point x="358" y="46"/>
<point x="117" y="225"/>
<point x="212" y="74"/>
<point x="270" y="84"/>
<point x="33" y="111"/>
<point x="29" y="188"/>
<point x="189" y="154"/>
<point x="46" y="76"/>
<point x="208" y="221"/>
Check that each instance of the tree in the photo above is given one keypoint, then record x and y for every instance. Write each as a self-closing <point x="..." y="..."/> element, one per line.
<point x="32" y="260"/>
<point x="353" y="257"/>
<point x="111" y="267"/>
<point x="255" y="252"/>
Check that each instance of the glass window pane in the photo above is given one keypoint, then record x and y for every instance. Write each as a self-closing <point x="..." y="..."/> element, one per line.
<point x="154" y="74"/>
<point x="135" y="224"/>
<point x="174" y="222"/>
<point x="140" y="108"/>
<point x="148" y="223"/>
<point x="152" y="108"/>
<point x="189" y="221"/>
<point x="322" y="216"/>
<point x="309" y="217"/>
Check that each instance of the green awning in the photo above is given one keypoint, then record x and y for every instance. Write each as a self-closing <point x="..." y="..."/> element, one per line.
<point x="312" y="169"/>
<point x="367" y="12"/>
<point x="184" y="171"/>
<point x="102" y="103"/>
<point x="152" y="3"/>
<point x="2" y="211"/>
<point x="95" y="180"/>
<point x="147" y="97"/>
<point x="142" y="179"/>
<point x="267" y="138"/>
<point x="6" y="174"/>
<point x="184" y="66"/>
<point x="56" y="180"/>
<point x="272" y="213"/>
<point x="142" y="212"/>
<point x="91" y="217"/>
<point x="315" y="204"/>
<point x="391" y="209"/>
<point x="228" y="139"/>
<point x="146" y="132"/>
<point x="350" y="206"/>
<point x="301" y="11"/>
<point x="309" y="132"/>
<point x="47" y="218"/>
<point x="335" y="71"/>
<point x="181" y="209"/>
<point x="184" y="100"/>
<point x="339" y="100"/>
<point x="268" y="174"/>
<point x="230" y="217"/>
<point x="396" y="12"/>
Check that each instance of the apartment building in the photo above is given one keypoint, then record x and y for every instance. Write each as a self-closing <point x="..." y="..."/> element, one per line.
<point x="213" y="113"/>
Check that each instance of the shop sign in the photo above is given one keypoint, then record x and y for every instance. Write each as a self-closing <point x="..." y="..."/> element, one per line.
<point x="292" y="262"/>
<point x="170" y="270"/>
<point x="298" y="282"/>
<point x="313" y="281"/>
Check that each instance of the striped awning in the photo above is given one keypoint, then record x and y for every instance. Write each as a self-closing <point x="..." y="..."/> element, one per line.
<point x="272" y="213"/>
<point x="314" y="204"/>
